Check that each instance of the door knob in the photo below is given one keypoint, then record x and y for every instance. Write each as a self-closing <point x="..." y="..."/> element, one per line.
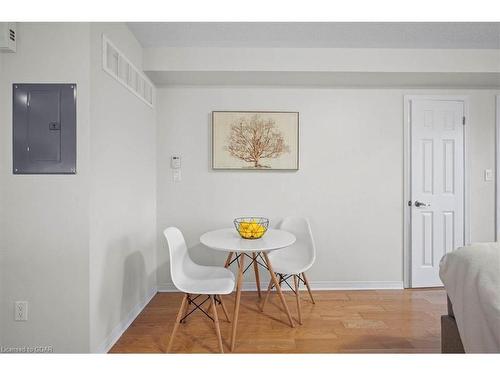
<point x="420" y="204"/>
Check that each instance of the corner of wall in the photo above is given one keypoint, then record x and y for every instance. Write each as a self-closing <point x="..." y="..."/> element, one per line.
<point x="122" y="194"/>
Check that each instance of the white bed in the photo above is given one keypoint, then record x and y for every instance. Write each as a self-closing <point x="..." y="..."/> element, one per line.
<point x="471" y="276"/>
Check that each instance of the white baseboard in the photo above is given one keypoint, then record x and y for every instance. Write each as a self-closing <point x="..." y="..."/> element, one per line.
<point x="356" y="285"/>
<point x="315" y="285"/>
<point x="117" y="332"/>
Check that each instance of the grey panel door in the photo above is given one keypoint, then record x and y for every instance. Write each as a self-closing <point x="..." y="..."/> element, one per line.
<point x="44" y="128"/>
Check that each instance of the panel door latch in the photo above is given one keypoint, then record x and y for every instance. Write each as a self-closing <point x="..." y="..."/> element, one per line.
<point x="54" y="126"/>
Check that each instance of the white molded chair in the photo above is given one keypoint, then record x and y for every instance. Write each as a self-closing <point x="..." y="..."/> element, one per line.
<point x="294" y="260"/>
<point x="194" y="279"/>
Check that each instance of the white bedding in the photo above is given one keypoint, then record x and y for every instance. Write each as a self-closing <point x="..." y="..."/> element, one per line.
<point x="471" y="276"/>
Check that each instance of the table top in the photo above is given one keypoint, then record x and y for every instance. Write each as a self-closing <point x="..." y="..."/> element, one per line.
<point x="229" y="240"/>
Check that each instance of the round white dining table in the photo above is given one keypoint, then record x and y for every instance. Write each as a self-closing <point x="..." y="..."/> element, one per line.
<point x="229" y="241"/>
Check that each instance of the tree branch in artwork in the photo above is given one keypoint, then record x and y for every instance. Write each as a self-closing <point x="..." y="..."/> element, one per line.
<point x="253" y="139"/>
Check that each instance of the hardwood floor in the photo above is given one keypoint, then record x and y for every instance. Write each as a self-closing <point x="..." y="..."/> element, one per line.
<point x="378" y="321"/>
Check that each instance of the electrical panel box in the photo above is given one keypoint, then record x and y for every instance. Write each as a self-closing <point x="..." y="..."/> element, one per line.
<point x="44" y="128"/>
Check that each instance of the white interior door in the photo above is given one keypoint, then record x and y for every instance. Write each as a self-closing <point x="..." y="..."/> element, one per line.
<point x="437" y="186"/>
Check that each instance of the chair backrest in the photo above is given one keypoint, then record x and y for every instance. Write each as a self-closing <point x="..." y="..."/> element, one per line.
<point x="304" y="245"/>
<point x="180" y="261"/>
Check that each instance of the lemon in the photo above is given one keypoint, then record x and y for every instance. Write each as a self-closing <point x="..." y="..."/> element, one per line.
<point x="251" y="229"/>
<point x="245" y="229"/>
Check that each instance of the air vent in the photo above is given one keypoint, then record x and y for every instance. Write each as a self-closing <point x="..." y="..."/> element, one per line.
<point x="120" y="68"/>
<point x="8" y="36"/>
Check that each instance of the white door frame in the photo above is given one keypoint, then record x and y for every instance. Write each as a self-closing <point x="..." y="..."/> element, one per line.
<point x="497" y="172"/>
<point x="407" y="176"/>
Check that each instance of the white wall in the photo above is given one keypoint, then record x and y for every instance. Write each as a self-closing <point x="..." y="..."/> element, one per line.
<point x="482" y="151"/>
<point x="122" y="194"/>
<point x="350" y="182"/>
<point x="79" y="248"/>
<point x="44" y="227"/>
<point x="2" y="100"/>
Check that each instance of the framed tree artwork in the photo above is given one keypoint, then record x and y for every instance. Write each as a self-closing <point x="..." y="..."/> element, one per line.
<point x="255" y="140"/>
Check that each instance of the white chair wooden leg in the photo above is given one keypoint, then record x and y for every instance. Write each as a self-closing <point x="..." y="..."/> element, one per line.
<point x="297" y="297"/>
<point x="209" y="307"/>
<point x="308" y="287"/>
<point x="216" y="322"/>
<point x="269" y="288"/>
<point x="224" y="309"/>
<point x="177" y="322"/>
<point x="186" y="310"/>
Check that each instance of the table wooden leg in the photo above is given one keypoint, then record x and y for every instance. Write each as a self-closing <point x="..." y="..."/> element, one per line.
<point x="256" y="270"/>
<point x="297" y="297"/>
<point x="228" y="260"/>
<point x="278" y="289"/>
<point x="237" y="301"/>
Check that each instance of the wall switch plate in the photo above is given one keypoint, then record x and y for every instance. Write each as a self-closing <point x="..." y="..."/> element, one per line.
<point x="488" y="175"/>
<point x="21" y="310"/>
<point x="177" y="175"/>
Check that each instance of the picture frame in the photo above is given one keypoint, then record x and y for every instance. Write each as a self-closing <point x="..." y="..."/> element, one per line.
<point x="255" y="140"/>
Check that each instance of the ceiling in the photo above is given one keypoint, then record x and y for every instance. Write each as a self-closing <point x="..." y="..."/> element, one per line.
<point x="467" y="35"/>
